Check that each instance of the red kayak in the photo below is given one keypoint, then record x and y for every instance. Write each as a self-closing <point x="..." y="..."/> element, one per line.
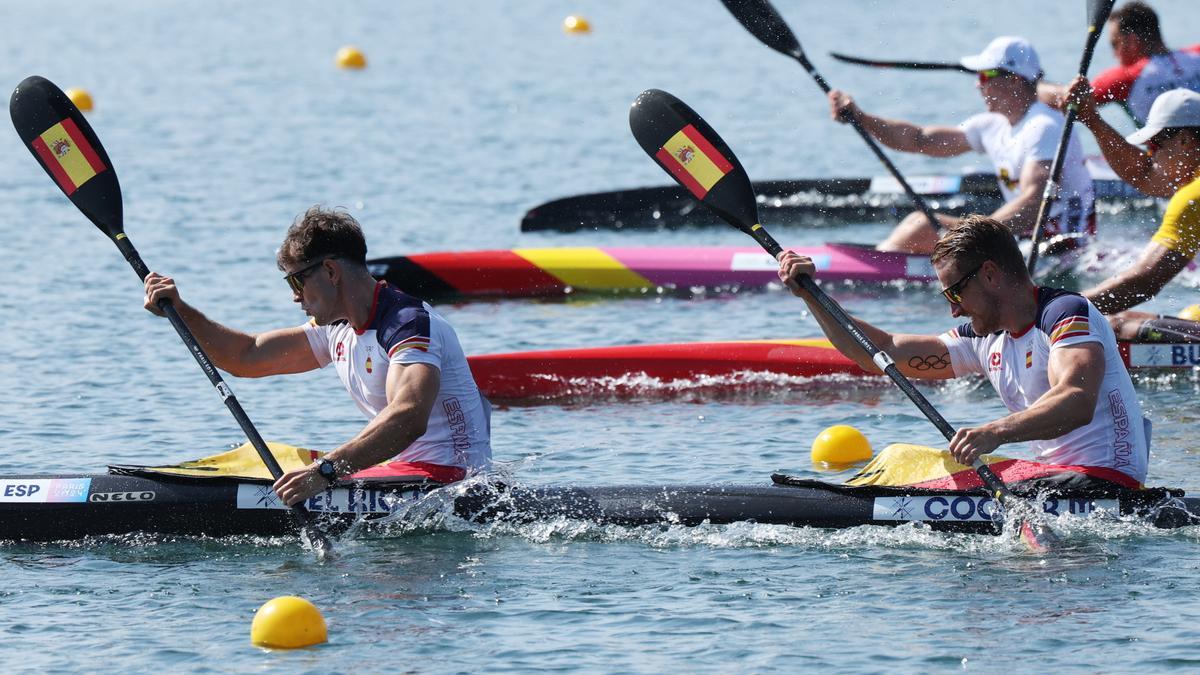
<point x="730" y="366"/>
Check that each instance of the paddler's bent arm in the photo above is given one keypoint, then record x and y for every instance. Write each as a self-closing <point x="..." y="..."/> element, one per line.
<point x="240" y="354"/>
<point x="1075" y="374"/>
<point x="412" y="391"/>
<point x="935" y="141"/>
<point x="922" y="356"/>
<point x="1140" y="281"/>
<point x="1126" y="160"/>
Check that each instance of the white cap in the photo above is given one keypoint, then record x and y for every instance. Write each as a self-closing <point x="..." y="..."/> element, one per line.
<point x="1010" y="53"/>
<point x="1175" y="108"/>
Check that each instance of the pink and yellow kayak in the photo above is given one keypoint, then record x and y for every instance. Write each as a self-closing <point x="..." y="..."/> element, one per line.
<point x="667" y="369"/>
<point x="548" y="272"/>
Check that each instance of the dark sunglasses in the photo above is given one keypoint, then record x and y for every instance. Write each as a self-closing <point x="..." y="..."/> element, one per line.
<point x="953" y="292"/>
<point x="990" y="74"/>
<point x="296" y="279"/>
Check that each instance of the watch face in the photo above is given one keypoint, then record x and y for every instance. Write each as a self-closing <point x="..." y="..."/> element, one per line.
<point x="325" y="468"/>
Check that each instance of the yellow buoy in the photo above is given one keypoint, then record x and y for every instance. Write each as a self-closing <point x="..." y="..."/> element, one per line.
<point x="351" y="57"/>
<point x="1191" y="313"/>
<point x="81" y="98"/>
<point x="288" y="622"/>
<point x="841" y="444"/>
<point x="576" y="24"/>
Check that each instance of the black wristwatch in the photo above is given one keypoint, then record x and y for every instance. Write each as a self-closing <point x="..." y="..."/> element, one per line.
<point x="327" y="471"/>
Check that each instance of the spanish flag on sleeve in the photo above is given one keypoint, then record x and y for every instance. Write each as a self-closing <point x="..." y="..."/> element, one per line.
<point x="67" y="154"/>
<point x="693" y="161"/>
<point x="1069" y="327"/>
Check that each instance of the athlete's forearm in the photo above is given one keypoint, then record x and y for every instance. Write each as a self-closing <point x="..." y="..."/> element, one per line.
<point x="1061" y="410"/>
<point x="1128" y="289"/>
<point x="225" y="346"/>
<point x="1020" y="214"/>
<point x="1126" y="160"/>
<point x="384" y="437"/>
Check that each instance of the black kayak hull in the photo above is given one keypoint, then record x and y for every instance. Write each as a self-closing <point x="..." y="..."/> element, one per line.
<point x="50" y="508"/>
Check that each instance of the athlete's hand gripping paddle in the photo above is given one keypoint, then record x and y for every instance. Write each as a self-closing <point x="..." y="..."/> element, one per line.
<point x="1098" y="11"/>
<point x="764" y="22"/>
<point x="64" y="144"/>
<point x="688" y="149"/>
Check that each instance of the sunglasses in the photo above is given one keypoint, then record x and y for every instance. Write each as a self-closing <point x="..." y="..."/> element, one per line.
<point x="953" y="292"/>
<point x="990" y="74"/>
<point x="295" y="280"/>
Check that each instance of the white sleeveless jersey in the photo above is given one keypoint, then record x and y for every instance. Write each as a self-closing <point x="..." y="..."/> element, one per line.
<point x="1016" y="367"/>
<point x="404" y="330"/>
<point x="1035" y="139"/>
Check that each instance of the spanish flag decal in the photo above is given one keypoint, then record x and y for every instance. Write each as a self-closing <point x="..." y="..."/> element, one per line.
<point x="68" y="155"/>
<point x="1029" y="358"/>
<point x="693" y="161"/>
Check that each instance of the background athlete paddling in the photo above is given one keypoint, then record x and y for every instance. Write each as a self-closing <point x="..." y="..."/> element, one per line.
<point x="1018" y="133"/>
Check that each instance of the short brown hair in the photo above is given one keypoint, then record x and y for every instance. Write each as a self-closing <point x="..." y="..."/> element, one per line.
<point x="1137" y="18"/>
<point x="976" y="239"/>
<point x="322" y="232"/>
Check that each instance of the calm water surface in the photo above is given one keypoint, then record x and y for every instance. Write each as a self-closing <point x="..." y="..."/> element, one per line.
<point x="225" y="119"/>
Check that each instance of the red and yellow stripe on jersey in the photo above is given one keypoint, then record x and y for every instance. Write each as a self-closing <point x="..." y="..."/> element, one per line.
<point x="67" y="154"/>
<point x="1071" y="326"/>
<point x="418" y="342"/>
<point x="693" y="161"/>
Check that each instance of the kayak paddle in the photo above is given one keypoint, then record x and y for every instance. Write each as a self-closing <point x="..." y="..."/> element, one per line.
<point x="1098" y="11"/>
<point x="64" y="144"/>
<point x="688" y="149"/>
<point x="902" y="65"/>
<point x="764" y="22"/>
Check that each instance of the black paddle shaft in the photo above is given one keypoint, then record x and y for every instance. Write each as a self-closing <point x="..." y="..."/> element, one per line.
<point x="902" y="65"/>
<point x="1098" y="11"/>
<point x="65" y="145"/>
<point x="764" y="22"/>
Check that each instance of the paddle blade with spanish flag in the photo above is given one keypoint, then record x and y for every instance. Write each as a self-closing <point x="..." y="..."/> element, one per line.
<point x="694" y="155"/>
<point x="63" y="142"/>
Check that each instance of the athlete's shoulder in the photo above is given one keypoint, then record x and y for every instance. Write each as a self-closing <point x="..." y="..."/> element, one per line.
<point x="1063" y="314"/>
<point x="1115" y="83"/>
<point x="1041" y="116"/>
<point x="401" y="321"/>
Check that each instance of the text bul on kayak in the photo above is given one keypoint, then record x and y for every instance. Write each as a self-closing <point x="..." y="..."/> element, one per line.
<point x="1019" y="135"/>
<point x="401" y="362"/>
<point x="1048" y="353"/>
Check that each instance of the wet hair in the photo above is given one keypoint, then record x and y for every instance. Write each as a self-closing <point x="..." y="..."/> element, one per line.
<point x="322" y="232"/>
<point x="1137" y="18"/>
<point x="976" y="239"/>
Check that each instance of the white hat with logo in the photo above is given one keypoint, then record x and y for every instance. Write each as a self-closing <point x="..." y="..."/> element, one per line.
<point x="1175" y="108"/>
<point x="1010" y="53"/>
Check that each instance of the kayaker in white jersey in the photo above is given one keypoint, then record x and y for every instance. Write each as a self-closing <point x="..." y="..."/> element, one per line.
<point x="1049" y="353"/>
<point x="1018" y="134"/>
<point x="401" y="362"/>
